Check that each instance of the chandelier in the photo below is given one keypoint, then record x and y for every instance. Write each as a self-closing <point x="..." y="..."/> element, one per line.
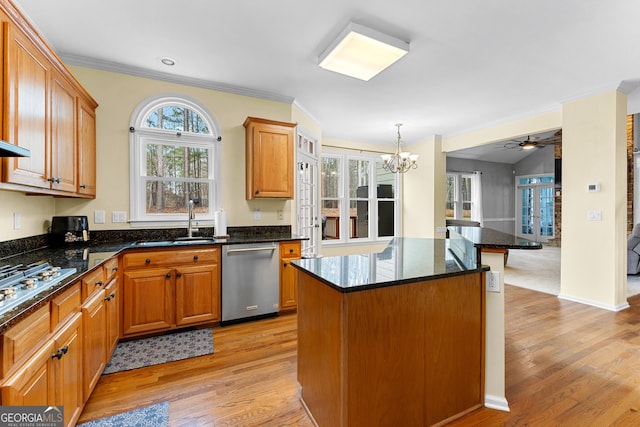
<point x="400" y="161"/>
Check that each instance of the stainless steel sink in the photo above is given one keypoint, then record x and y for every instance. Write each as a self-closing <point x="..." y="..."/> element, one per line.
<point x="177" y="241"/>
<point x="148" y="243"/>
<point x="193" y="240"/>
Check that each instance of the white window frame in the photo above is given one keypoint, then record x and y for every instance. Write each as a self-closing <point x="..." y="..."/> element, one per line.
<point x="343" y="197"/>
<point x="458" y="202"/>
<point x="140" y="135"/>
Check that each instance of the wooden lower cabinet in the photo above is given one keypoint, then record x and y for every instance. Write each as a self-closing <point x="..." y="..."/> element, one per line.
<point x="170" y="289"/>
<point x="289" y="251"/>
<point x="197" y="294"/>
<point x="53" y="375"/>
<point x="67" y="369"/>
<point x="32" y="384"/>
<point x="112" y="304"/>
<point x="94" y="321"/>
<point x="147" y="300"/>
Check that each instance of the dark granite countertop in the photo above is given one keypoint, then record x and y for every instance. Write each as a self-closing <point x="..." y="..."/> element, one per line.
<point x="489" y="238"/>
<point x="404" y="260"/>
<point x="86" y="257"/>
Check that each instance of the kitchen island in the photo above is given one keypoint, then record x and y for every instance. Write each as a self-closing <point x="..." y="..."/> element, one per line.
<point x="393" y="338"/>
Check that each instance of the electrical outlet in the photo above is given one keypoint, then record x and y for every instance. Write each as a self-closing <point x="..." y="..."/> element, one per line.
<point x="256" y="214"/>
<point x="98" y="217"/>
<point x="493" y="281"/>
<point x="280" y="215"/>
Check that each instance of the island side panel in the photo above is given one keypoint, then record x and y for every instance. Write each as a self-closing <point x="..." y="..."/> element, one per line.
<point x="386" y="345"/>
<point x="320" y="350"/>
<point x="455" y="347"/>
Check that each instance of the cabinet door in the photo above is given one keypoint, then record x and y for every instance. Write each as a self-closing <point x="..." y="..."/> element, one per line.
<point x="113" y="316"/>
<point x="269" y="159"/>
<point x="87" y="149"/>
<point x="288" y="283"/>
<point x="197" y="294"/>
<point x="26" y="124"/>
<point x="64" y="156"/>
<point x="67" y="369"/>
<point x="147" y="300"/>
<point x="32" y="384"/>
<point x="94" y="321"/>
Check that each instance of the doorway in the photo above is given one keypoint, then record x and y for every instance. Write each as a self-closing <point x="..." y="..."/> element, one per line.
<point x="307" y="176"/>
<point x="535" y="207"/>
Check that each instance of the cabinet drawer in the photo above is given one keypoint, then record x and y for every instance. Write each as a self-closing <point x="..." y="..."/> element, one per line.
<point x="110" y="269"/>
<point x="290" y="250"/>
<point x="23" y="337"/>
<point x="171" y="257"/>
<point x="64" y="304"/>
<point x="92" y="282"/>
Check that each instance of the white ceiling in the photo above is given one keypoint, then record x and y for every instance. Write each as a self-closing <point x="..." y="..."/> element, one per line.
<point x="472" y="63"/>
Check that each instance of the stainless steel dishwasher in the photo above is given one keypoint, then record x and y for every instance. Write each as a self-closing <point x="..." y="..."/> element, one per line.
<point x="250" y="280"/>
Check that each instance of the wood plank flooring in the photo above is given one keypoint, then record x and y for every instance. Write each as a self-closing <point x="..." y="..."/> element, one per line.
<point x="567" y="364"/>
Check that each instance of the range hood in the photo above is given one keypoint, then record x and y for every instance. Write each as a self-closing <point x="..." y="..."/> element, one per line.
<point x="10" y="150"/>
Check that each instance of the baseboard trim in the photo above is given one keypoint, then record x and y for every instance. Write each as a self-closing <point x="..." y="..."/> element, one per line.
<point x="496" y="402"/>
<point x="585" y="301"/>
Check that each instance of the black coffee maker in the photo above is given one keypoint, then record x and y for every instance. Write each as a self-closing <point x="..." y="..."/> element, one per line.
<point x="69" y="230"/>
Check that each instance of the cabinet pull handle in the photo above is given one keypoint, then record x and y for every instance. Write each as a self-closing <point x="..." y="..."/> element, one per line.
<point x="257" y="191"/>
<point x="195" y="257"/>
<point x="83" y="186"/>
<point x="147" y="261"/>
<point x="57" y="180"/>
<point x="65" y="349"/>
<point x="99" y="283"/>
<point x="178" y="275"/>
<point x="168" y="276"/>
<point x="57" y="354"/>
<point x="114" y="269"/>
<point x="51" y="179"/>
<point x="113" y="295"/>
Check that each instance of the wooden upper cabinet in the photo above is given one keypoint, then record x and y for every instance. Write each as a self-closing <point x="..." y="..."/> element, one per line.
<point x="64" y="153"/>
<point x="269" y="158"/>
<point x="87" y="149"/>
<point x="27" y="75"/>
<point x="45" y="110"/>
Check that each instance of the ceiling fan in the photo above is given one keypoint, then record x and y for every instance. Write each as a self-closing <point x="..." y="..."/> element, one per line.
<point x="528" y="144"/>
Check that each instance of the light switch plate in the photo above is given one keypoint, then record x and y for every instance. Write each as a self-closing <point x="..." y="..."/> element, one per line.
<point x="118" y="216"/>
<point x="17" y="221"/>
<point x="98" y="217"/>
<point x="256" y="214"/>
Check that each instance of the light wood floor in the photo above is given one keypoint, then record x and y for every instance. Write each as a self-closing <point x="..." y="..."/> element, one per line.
<point x="567" y="364"/>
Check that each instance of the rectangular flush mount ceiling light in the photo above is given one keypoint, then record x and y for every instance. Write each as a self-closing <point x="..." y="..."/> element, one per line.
<point x="362" y="52"/>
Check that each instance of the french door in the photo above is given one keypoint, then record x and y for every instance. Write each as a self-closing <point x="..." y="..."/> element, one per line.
<point x="535" y="208"/>
<point x="307" y="178"/>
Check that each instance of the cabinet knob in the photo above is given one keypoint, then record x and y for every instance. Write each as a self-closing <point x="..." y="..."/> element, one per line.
<point x="290" y="251"/>
<point x="195" y="257"/>
<point x="57" y="355"/>
<point x="178" y="275"/>
<point x="65" y="349"/>
<point x="284" y="264"/>
<point x="99" y="283"/>
<point x="57" y="180"/>
<point x="168" y="276"/>
<point x="147" y="261"/>
<point x="114" y="269"/>
<point x="257" y="191"/>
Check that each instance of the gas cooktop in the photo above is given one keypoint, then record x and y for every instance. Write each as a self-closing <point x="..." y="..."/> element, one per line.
<point x="19" y="283"/>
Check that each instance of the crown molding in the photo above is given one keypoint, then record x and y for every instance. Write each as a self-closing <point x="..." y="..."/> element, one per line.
<point x="116" y="67"/>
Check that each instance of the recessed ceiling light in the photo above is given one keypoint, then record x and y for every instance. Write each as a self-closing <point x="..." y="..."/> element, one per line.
<point x="168" y="61"/>
<point x="362" y="52"/>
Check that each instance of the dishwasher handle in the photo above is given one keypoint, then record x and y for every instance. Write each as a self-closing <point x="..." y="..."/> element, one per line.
<point x="271" y="248"/>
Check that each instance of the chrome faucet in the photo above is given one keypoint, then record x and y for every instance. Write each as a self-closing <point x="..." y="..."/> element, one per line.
<point x="192" y="216"/>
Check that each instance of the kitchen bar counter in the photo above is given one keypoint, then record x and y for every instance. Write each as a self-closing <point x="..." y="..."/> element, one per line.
<point x="394" y="338"/>
<point x="85" y="257"/>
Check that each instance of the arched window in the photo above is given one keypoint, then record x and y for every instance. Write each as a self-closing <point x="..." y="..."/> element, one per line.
<point x="175" y="157"/>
